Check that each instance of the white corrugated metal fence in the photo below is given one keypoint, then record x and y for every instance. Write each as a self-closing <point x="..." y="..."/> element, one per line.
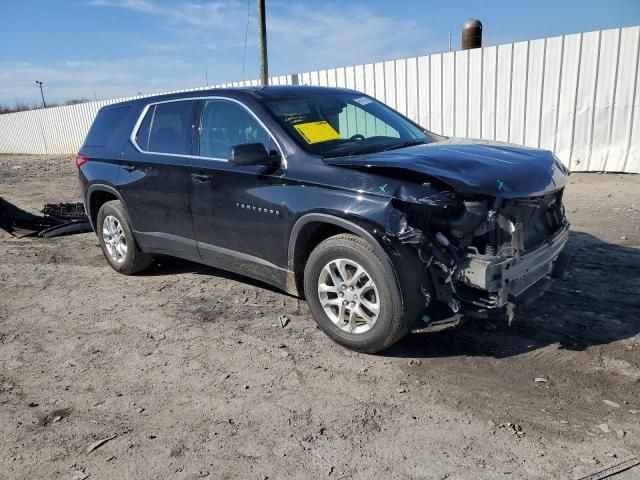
<point x="575" y="94"/>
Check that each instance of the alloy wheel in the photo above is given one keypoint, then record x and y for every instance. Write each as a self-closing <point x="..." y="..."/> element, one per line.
<point x="349" y="296"/>
<point x="114" y="238"/>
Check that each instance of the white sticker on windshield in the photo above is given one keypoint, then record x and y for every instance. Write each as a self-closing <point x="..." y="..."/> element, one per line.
<point x="363" y="100"/>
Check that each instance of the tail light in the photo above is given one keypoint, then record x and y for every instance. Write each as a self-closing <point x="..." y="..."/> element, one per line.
<point x="80" y="160"/>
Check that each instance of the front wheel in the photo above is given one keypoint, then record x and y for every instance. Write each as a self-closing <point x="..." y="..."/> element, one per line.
<point x="353" y="294"/>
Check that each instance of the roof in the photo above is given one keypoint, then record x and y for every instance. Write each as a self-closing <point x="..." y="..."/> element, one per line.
<point x="294" y="91"/>
<point x="273" y="91"/>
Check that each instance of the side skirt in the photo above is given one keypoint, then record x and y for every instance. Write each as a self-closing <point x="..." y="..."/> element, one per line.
<point x="218" y="257"/>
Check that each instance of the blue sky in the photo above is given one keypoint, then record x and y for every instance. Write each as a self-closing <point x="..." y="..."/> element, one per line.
<point x="120" y="47"/>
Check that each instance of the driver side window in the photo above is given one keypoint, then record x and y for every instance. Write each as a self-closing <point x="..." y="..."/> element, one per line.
<point x="223" y="124"/>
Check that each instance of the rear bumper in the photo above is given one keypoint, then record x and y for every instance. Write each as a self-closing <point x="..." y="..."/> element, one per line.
<point x="489" y="282"/>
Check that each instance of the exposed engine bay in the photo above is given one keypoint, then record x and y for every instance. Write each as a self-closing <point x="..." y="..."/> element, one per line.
<point x="482" y="253"/>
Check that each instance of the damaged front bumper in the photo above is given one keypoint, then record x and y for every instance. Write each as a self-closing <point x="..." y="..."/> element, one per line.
<point x="481" y="256"/>
<point x="491" y="282"/>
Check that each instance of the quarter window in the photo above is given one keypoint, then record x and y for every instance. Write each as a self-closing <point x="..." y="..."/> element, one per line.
<point x="170" y="130"/>
<point x="105" y="125"/>
<point x="224" y="124"/>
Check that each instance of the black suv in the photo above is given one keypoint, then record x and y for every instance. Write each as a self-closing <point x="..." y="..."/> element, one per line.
<point x="329" y="194"/>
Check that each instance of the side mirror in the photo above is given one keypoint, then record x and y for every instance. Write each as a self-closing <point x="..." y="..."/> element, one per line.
<point x="251" y="154"/>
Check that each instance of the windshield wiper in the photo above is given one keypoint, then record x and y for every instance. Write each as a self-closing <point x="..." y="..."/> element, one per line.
<point x="410" y="143"/>
<point x="372" y="149"/>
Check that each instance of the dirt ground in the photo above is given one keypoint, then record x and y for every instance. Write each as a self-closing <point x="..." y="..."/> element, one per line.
<point x="190" y="371"/>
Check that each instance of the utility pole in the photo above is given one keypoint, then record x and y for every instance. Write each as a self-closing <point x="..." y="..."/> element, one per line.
<point x="41" y="93"/>
<point x="449" y="39"/>
<point x="262" y="44"/>
<point x="206" y="77"/>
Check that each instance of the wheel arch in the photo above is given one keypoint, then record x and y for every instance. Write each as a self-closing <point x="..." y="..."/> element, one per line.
<point x="312" y="228"/>
<point x="97" y="195"/>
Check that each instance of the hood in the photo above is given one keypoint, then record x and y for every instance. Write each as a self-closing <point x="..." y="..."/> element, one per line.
<point x="472" y="166"/>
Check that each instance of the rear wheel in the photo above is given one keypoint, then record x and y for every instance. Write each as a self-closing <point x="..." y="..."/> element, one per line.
<point x="117" y="242"/>
<point x="353" y="294"/>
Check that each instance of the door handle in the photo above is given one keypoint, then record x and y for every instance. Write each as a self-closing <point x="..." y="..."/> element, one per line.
<point x="129" y="167"/>
<point x="201" y="177"/>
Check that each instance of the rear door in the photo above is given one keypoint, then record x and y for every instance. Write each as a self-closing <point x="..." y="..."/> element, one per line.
<point x="155" y="182"/>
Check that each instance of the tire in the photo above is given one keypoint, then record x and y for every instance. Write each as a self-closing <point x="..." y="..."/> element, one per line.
<point x="128" y="259"/>
<point x="347" y="252"/>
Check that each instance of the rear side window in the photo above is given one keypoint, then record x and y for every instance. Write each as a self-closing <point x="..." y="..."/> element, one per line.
<point x="170" y="128"/>
<point x="104" y="126"/>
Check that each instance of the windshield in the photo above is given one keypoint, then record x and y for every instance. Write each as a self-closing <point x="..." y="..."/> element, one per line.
<point x="344" y="124"/>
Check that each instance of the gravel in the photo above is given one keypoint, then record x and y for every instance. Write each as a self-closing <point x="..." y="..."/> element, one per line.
<point x="160" y="363"/>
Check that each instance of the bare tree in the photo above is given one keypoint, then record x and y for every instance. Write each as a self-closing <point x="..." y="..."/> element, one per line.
<point x="19" y="106"/>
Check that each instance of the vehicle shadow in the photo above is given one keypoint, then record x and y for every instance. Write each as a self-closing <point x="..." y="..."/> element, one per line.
<point x="595" y="303"/>
<point x="169" y="266"/>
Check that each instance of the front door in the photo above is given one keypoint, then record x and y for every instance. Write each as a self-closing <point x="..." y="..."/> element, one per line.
<point x="236" y="211"/>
